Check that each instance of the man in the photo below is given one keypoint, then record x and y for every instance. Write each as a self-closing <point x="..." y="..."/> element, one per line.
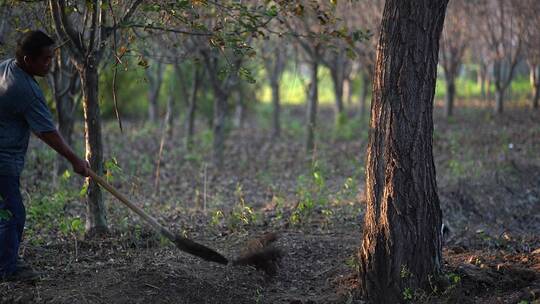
<point x="23" y="109"/>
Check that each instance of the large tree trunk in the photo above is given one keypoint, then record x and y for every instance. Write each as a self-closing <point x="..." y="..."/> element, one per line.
<point x="402" y="245"/>
<point x="535" y="84"/>
<point x="96" y="219"/>
<point x="190" y="121"/>
<point x="155" y="78"/>
<point x="313" y="100"/>
<point x="450" y="94"/>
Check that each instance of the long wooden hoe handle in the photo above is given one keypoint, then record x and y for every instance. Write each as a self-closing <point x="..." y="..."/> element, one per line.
<point x="182" y="243"/>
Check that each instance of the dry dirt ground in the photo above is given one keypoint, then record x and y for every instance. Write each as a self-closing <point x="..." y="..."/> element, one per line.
<point x="489" y="186"/>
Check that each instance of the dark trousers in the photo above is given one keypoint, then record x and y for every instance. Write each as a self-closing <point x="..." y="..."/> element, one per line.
<point x="12" y="218"/>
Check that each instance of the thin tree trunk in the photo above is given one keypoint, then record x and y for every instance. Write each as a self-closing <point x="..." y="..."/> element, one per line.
<point x="536" y="96"/>
<point x="64" y="83"/>
<point x="499" y="100"/>
<point x="402" y="246"/>
<point x="312" y="107"/>
<point x="364" y="93"/>
<point x="155" y="77"/>
<point x="66" y="119"/>
<point x="488" y="86"/>
<point x="450" y="94"/>
<point x="96" y="220"/>
<point x="239" y="116"/>
<point x="347" y="92"/>
<point x="337" y="79"/>
<point x="190" y="121"/>
<point x="220" y="108"/>
<point x="481" y="79"/>
<point x="275" y="69"/>
<point x="5" y="12"/>
<point x="276" y="127"/>
<point x="535" y="84"/>
<point x="170" y="115"/>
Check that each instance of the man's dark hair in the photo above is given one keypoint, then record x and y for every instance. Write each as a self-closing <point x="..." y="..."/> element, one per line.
<point x="31" y="44"/>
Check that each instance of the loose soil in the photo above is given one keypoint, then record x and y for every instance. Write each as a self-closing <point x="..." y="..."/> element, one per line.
<point x="488" y="171"/>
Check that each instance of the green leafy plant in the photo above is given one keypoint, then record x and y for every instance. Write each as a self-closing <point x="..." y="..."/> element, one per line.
<point x="112" y="168"/>
<point x="407" y="294"/>
<point x="72" y="227"/>
<point x="217" y="218"/>
<point x="242" y="214"/>
<point x="311" y="193"/>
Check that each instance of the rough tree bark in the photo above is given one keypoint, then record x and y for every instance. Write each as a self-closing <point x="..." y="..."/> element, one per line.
<point x="402" y="245"/>
<point x="96" y="219"/>
<point x="313" y="99"/>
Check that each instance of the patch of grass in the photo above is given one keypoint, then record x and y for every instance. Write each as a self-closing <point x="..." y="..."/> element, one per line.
<point x="351" y="129"/>
<point x="467" y="88"/>
<point x="46" y="215"/>
<point x="311" y="192"/>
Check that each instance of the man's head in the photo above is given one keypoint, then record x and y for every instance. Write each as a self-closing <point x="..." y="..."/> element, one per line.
<point x="35" y="52"/>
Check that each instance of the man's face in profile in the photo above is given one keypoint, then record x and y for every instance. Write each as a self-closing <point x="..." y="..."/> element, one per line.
<point x="41" y="64"/>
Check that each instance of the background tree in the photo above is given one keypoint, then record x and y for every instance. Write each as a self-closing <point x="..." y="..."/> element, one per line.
<point x="65" y="86"/>
<point x="306" y="29"/>
<point x="403" y="217"/>
<point x="454" y="41"/>
<point x="528" y="14"/>
<point x="313" y="25"/>
<point x="87" y="43"/>
<point x="274" y="53"/>
<point x="370" y="19"/>
<point x="154" y="75"/>
<point x="498" y="25"/>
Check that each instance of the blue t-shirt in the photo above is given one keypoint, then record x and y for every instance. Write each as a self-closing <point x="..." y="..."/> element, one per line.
<point x="22" y="108"/>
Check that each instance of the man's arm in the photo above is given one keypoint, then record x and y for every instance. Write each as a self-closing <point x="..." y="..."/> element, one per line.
<point x="55" y="141"/>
